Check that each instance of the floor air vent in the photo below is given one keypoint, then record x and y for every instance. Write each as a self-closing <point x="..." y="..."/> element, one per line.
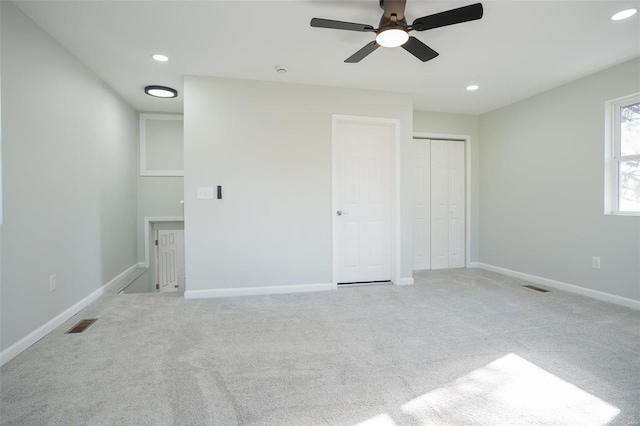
<point x="533" y="287"/>
<point x="82" y="326"/>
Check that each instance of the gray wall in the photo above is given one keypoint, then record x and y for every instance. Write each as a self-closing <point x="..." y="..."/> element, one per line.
<point x="269" y="146"/>
<point x="69" y="165"/>
<point x="164" y="144"/>
<point x="542" y="186"/>
<point x="466" y="125"/>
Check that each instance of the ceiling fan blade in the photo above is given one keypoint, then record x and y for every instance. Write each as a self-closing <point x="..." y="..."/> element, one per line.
<point x="362" y="53"/>
<point x="450" y="17"/>
<point x="339" y="25"/>
<point x="419" y="49"/>
<point x="394" y="7"/>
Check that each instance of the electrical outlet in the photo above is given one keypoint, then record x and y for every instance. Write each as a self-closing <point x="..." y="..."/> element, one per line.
<point x="595" y="262"/>
<point x="52" y="282"/>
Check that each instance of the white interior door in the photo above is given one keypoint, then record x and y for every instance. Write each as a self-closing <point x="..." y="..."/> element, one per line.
<point x="422" y="204"/>
<point x="363" y="202"/>
<point x="168" y="260"/>
<point x="447" y="204"/>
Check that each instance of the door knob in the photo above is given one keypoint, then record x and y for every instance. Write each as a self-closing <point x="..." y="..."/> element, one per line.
<point x="340" y="212"/>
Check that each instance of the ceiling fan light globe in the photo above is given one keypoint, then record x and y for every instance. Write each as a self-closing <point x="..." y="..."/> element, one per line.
<point x="393" y="37"/>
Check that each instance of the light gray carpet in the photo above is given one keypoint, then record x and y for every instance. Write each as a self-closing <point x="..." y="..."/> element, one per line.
<point x="459" y="347"/>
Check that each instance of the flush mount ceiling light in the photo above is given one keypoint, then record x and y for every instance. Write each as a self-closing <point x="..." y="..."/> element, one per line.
<point x="473" y="87"/>
<point x="161" y="91"/>
<point x="624" y="14"/>
<point x="393" y="37"/>
<point x="160" y="58"/>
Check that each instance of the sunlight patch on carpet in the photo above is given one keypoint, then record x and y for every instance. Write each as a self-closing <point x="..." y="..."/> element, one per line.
<point x="509" y="391"/>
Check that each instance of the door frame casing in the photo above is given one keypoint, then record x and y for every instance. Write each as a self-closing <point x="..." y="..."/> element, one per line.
<point x="467" y="184"/>
<point x="394" y="123"/>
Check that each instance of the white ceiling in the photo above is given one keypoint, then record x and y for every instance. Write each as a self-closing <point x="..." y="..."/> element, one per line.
<point x="519" y="48"/>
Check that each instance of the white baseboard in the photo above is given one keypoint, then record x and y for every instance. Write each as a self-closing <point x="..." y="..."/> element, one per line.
<point x="571" y="288"/>
<point x="22" y="344"/>
<point x="254" y="291"/>
<point x="473" y="265"/>
<point x="141" y="265"/>
<point x="405" y="281"/>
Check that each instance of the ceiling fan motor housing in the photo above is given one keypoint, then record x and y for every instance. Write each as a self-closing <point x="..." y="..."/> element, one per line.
<point x="386" y="23"/>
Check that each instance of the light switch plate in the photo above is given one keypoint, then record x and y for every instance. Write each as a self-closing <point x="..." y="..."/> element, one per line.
<point x="204" y="193"/>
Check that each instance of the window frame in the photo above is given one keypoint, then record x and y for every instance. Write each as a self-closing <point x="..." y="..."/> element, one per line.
<point x="613" y="151"/>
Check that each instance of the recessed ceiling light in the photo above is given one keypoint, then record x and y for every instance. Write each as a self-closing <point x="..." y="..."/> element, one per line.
<point x="160" y="58"/>
<point x="624" y="14"/>
<point x="473" y="87"/>
<point x="161" y="91"/>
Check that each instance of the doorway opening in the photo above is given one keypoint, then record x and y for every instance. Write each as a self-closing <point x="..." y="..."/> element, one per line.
<point x="164" y="254"/>
<point x="163" y="269"/>
<point x="167" y="270"/>
<point x="164" y="257"/>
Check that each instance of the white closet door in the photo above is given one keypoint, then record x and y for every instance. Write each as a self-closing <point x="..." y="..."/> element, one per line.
<point x="421" y="204"/>
<point x="439" y="204"/>
<point x="447" y="204"/>
<point x="456" y="205"/>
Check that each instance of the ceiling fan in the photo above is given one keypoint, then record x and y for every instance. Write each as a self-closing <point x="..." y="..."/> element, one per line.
<point x="393" y="30"/>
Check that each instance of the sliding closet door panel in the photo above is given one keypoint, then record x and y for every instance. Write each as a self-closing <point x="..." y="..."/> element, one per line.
<point x="439" y="204"/>
<point x="421" y="204"/>
<point x="456" y="205"/>
<point x="447" y="204"/>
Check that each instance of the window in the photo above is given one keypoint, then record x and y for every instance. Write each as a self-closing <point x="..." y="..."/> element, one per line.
<point x="622" y="179"/>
